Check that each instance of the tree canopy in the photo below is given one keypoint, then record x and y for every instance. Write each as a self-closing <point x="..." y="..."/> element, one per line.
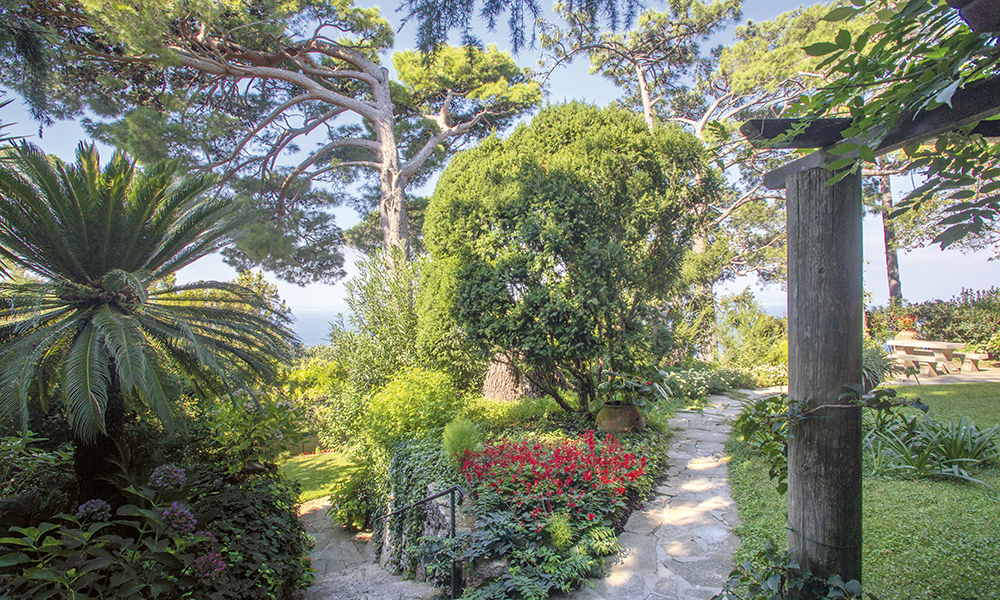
<point x="238" y="88"/>
<point x="553" y="245"/>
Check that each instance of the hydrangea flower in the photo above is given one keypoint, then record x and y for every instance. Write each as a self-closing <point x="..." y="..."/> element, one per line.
<point x="179" y="518"/>
<point x="94" y="510"/>
<point x="208" y="566"/>
<point x="166" y="477"/>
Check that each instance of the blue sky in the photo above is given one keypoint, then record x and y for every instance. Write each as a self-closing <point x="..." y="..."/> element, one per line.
<point x="927" y="273"/>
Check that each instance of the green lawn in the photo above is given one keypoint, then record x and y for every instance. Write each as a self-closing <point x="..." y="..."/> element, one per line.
<point x="317" y="472"/>
<point x="978" y="401"/>
<point x="923" y="539"/>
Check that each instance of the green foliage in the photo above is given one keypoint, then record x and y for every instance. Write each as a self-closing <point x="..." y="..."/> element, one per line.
<point x="417" y="467"/>
<point x="971" y="317"/>
<point x="922" y="447"/>
<point x="414" y="403"/>
<point x="560" y="531"/>
<point x="248" y="543"/>
<point x="350" y="501"/>
<point x="765" y="376"/>
<point x="35" y="484"/>
<point x="256" y="430"/>
<point x="925" y="47"/>
<point x="621" y="390"/>
<point x="260" y="536"/>
<point x="763" y="426"/>
<point x="692" y="385"/>
<point x="876" y="365"/>
<point x="775" y="576"/>
<point x="513" y="224"/>
<point x="747" y="335"/>
<point x="460" y="438"/>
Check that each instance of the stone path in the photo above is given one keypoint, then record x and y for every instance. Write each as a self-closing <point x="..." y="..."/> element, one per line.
<point x="678" y="547"/>
<point x="345" y="564"/>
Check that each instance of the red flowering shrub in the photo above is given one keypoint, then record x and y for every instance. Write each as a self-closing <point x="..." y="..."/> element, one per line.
<point x="585" y="478"/>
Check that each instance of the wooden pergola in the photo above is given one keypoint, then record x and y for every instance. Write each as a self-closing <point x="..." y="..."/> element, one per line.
<point x="825" y="316"/>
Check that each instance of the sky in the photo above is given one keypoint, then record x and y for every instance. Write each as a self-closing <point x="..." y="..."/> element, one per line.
<point x="926" y="274"/>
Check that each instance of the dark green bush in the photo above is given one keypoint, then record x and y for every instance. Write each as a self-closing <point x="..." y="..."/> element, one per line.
<point x="229" y="538"/>
<point x="972" y="317"/>
<point x="260" y="536"/>
<point x="35" y="484"/>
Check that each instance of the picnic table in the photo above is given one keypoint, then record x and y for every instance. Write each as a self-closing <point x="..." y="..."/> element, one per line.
<point x="933" y="355"/>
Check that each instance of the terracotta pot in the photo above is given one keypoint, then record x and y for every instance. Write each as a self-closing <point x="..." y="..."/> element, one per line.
<point x="907" y="334"/>
<point x="615" y="418"/>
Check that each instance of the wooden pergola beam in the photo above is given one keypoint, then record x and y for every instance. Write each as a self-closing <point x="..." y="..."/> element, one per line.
<point x="968" y="105"/>
<point x="820" y="133"/>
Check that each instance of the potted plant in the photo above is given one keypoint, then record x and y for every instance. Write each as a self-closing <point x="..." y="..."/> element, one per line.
<point x="623" y="402"/>
<point x="907" y="328"/>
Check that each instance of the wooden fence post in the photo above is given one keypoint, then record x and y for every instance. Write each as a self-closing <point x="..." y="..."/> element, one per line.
<point x="825" y="312"/>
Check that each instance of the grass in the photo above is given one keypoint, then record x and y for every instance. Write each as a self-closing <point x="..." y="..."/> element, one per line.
<point x="924" y="539"/>
<point x="318" y="472"/>
<point x="979" y="401"/>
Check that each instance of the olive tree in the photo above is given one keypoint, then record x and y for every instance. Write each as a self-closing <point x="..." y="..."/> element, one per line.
<point x="554" y="245"/>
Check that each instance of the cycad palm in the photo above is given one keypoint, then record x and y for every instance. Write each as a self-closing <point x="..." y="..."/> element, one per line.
<point x="97" y="239"/>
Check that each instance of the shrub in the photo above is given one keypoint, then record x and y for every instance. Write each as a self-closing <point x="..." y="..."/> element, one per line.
<point x="238" y="540"/>
<point x="747" y="335"/>
<point x="769" y="375"/>
<point x="694" y="384"/>
<point x="258" y="429"/>
<point x="413" y="403"/>
<point x="260" y="536"/>
<point x="35" y="484"/>
<point x="972" y="317"/>
<point x="923" y="447"/>
<point x="460" y="438"/>
<point x="876" y="364"/>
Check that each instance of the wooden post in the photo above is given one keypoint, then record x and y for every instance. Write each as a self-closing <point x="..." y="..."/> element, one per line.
<point x="825" y="312"/>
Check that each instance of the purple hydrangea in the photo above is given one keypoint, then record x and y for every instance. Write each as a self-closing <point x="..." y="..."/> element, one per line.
<point x="94" y="510"/>
<point x="166" y="477"/>
<point x="179" y="518"/>
<point x="209" y="566"/>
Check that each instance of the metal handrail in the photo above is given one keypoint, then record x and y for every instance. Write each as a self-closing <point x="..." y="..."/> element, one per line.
<point x="451" y="492"/>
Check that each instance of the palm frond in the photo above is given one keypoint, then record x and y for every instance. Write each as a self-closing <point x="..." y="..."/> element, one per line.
<point x="125" y="342"/>
<point x="23" y="355"/>
<point x="86" y="377"/>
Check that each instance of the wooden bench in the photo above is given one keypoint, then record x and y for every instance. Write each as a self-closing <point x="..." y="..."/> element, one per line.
<point x="929" y="360"/>
<point x="970" y="360"/>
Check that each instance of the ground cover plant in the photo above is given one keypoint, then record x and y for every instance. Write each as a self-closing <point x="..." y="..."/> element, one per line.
<point x="924" y="537"/>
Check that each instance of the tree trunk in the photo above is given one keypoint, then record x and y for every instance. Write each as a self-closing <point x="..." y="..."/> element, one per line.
<point x="889" y="236"/>
<point x="392" y="204"/>
<point x="825" y="308"/>
<point x="647" y="103"/>
<point x="94" y="462"/>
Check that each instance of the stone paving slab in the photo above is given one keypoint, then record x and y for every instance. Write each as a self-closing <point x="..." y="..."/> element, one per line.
<point x="345" y="567"/>
<point x="680" y="545"/>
